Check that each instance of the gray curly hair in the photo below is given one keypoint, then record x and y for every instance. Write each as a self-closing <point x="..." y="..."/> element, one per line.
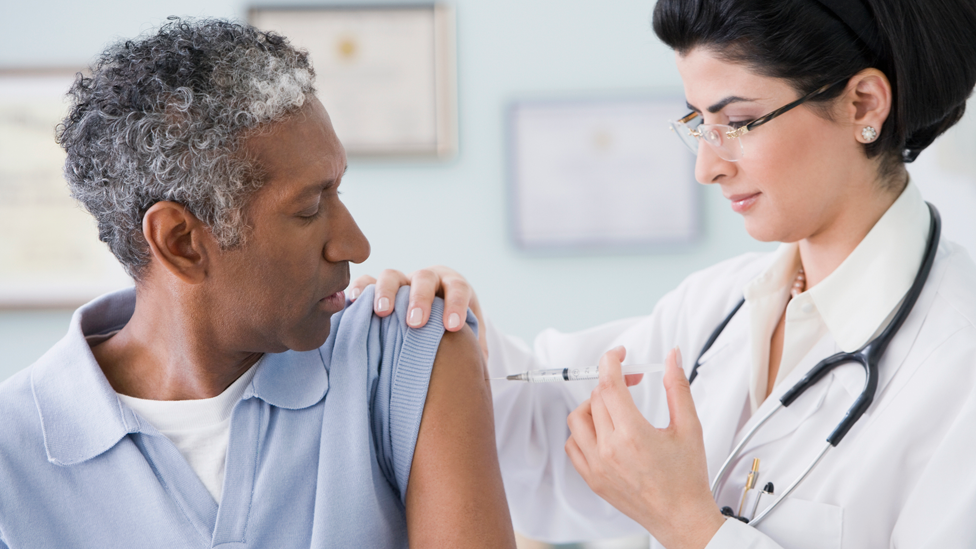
<point x="163" y="118"/>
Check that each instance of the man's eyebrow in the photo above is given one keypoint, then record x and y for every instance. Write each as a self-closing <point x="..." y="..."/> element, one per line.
<point x="317" y="188"/>
<point x="721" y="104"/>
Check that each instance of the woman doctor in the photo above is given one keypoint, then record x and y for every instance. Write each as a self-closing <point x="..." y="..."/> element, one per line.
<point x="868" y="85"/>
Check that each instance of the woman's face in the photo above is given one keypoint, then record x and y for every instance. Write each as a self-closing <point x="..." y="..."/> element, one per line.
<point x="795" y="178"/>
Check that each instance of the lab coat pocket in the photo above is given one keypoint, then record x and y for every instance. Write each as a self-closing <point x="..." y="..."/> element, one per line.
<point x="801" y="524"/>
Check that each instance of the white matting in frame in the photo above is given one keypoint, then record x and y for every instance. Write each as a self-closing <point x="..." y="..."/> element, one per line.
<point x="600" y="175"/>
<point x="386" y="74"/>
<point x="50" y="254"/>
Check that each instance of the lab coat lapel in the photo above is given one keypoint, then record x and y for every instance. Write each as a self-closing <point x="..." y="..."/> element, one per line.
<point x="722" y="385"/>
<point x="903" y="346"/>
<point x="788" y="418"/>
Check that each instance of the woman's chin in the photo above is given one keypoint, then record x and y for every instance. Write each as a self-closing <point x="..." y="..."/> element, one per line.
<point x="761" y="231"/>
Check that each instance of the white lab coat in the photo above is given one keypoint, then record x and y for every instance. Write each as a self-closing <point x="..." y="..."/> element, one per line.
<point x="905" y="475"/>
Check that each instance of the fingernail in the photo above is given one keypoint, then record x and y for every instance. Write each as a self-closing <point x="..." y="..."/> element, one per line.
<point x="677" y="356"/>
<point x="414" y="317"/>
<point x="383" y="304"/>
<point x="354" y="293"/>
<point x="453" y="321"/>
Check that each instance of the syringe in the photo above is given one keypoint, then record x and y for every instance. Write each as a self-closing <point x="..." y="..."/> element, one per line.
<point x="578" y="374"/>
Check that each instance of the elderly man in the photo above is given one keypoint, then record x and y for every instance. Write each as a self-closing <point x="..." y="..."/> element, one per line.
<point x="229" y="400"/>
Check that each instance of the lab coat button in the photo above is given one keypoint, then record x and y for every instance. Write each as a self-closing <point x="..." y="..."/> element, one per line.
<point x="807" y="308"/>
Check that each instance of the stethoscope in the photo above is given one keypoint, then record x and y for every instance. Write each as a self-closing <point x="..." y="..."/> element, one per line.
<point x="868" y="356"/>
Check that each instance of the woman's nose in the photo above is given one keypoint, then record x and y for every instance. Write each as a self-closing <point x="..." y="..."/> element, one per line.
<point x="709" y="166"/>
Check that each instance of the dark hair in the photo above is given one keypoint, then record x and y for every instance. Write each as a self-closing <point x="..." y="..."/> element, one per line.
<point x="162" y="118"/>
<point x="927" y="51"/>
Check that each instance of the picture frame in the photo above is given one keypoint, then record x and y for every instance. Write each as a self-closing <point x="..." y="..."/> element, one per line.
<point x="50" y="254"/>
<point x="385" y="73"/>
<point x="600" y="175"/>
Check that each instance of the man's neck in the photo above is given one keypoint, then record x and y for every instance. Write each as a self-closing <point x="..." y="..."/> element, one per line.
<point x="169" y="353"/>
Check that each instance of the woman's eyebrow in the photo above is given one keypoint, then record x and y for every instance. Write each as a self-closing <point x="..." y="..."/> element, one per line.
<point x="721" y="104"/>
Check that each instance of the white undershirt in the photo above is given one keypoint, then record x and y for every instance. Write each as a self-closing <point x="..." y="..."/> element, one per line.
<point x="200" y="429"/>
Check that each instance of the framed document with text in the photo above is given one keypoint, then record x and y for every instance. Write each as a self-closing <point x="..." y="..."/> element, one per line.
<point x="386" y="74"/>
<point x="50" y="254"/>
<point x="600" y="176"/>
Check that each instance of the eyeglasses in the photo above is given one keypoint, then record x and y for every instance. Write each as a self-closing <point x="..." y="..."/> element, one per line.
<point x="724" y="138"/>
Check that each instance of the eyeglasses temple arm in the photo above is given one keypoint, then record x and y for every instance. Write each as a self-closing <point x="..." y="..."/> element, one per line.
<point x="767" y="117"/>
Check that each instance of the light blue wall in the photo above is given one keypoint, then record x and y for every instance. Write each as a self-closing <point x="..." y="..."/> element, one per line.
<point x="454" y="213"/>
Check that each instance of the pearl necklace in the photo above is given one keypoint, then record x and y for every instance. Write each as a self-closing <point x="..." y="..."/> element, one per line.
<point x="799" y="283"/>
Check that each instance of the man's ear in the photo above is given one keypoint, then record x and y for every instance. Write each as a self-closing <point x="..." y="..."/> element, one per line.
<point x="869" y="99"/>
<point x="178" y="241"/>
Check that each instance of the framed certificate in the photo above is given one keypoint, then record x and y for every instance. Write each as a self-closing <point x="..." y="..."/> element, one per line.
<point x="386" y="75"/>
<point x="600" y="175"/>
<point x="50" y="254"/>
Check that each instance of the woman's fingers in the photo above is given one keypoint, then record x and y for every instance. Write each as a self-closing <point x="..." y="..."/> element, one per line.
<point x="613" y="389"/>
<point x="681" y="406"/>
<point x="602" y="422"/>
<point x="577" y="457"/>
<point x="424" y="285"/>
<point x="580" y="422"/>
<point x="457" y="298"/>
<point x="633" y="379"/>
<point x="657" y="477"/>
<point x="358" y="285"/>
<point x="387" y="285"/>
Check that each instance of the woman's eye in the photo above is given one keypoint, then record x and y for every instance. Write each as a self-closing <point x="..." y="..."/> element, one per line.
<point x="739" y="123"/>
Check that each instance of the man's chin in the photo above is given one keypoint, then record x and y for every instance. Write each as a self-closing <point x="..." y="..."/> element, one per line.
<point x="312" y="339"/>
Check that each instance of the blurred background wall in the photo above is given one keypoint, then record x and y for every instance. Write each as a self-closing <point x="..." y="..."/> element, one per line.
<point x="419" y="213"/>
<point x="454" y="212"/>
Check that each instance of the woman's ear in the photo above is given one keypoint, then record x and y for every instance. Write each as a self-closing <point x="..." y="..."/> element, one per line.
<point x="179" y="242"/>
<point x="869" y="99"/>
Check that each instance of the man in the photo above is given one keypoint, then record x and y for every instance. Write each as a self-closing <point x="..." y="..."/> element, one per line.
<point x="228" y="399"/>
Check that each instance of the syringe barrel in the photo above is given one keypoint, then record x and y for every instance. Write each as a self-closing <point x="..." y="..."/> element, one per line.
<point x="575" y="374"/>
<point x="545" y="376"/>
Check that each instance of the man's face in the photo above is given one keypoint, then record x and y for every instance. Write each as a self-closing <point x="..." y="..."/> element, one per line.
<point x="280" y="288"/>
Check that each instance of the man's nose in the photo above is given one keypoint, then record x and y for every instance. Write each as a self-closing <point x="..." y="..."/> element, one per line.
<point x="348" y="243"/>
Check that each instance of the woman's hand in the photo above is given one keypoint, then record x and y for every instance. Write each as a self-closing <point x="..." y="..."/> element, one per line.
<point x="424" y="284"/>
<point x="658" y="477"/>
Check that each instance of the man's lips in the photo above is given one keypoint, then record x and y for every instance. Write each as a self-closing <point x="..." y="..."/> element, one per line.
<point x="744" y="201"/>
<point x="335" y="301"/>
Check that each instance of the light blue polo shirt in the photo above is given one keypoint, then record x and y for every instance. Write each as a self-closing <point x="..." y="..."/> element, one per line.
<point x="320" y="448"/>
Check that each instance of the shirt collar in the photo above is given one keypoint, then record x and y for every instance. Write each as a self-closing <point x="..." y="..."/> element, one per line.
<point x="778" y="276"/>
<point x="293" y="380"/>
<point x="82" y="416"/>
<point x="856" y="300"/>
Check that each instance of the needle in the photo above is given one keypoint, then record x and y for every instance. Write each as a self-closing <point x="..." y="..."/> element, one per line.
<point x="576" y="374"/>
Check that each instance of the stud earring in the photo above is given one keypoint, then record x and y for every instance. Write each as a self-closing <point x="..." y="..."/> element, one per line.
<point x="869" y="134"/>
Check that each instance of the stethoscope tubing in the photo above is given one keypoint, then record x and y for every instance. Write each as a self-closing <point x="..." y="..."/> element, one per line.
<point x="867" y="356"/>
<point x="739" y="446"/>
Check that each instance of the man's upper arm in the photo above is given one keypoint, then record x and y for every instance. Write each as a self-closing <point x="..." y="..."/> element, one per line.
<point x="455" y="496"/>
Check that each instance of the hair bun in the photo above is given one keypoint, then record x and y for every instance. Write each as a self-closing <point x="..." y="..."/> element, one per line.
<point x="921" y="138"/>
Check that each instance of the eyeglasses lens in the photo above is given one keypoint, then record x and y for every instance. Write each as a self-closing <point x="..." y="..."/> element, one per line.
<point x="690" y="132"/>
<point x="686" y="132"/>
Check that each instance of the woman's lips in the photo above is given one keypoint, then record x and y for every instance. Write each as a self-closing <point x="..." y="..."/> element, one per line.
<point x="742" y="202"/>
